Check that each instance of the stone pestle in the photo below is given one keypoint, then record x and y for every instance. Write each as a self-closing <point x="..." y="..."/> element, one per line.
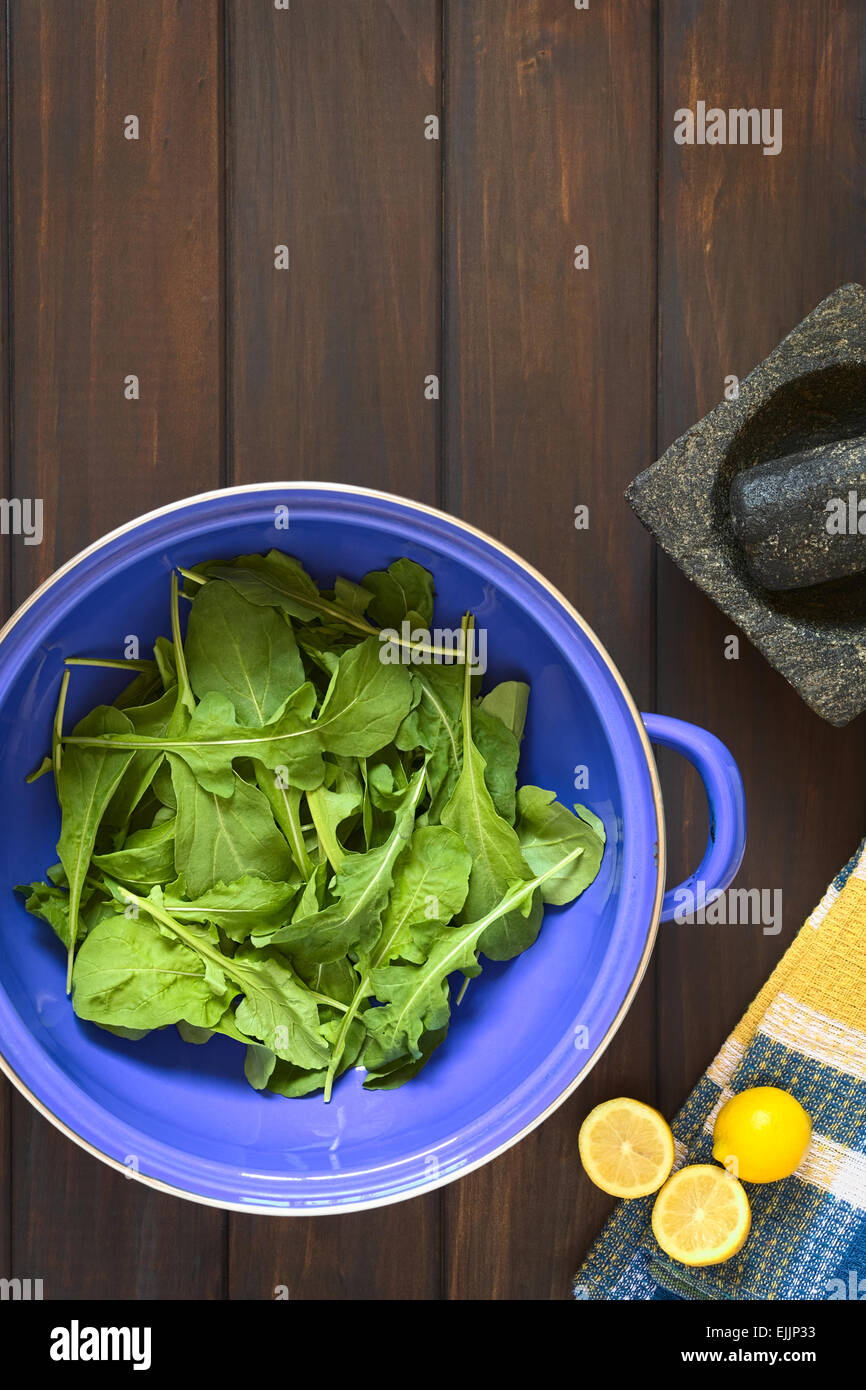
<point x="797" y="518"/>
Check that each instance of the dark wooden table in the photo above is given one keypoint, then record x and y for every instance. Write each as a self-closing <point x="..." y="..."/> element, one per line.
<point x="306" y="127"/>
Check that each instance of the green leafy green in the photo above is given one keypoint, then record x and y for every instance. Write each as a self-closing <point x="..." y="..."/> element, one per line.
<point x="430" y="884"/>
<point x="497" y="858"/>
<point x="276" y="1008"/>
<point x="147" y="856"/>
<point x="282" y="835"/>
<point x="546" y="830"/>
<point x="508" y="701"/>
<point x="130" y="975"/>
<point x="243" y="651"/>
<point x="433" y="723"/>
<point x="243" y="906"/>
<point x="402" y="589"/>
<point x="366" y="703"/>
<point x="361" y="889"/>
<point x="221" y="838"/>
<point x="86" y="781"/>
<point x="500" y="751"/>
<point x="416" y="997"/>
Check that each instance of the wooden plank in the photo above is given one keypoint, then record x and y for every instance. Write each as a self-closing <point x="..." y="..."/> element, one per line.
<point x="115" y="271"/>
<point x="327" y="156"/>
<point x="549" y="392"/>
<point x="749" y="244"/>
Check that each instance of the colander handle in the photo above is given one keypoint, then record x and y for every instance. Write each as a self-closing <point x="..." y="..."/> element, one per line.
<point x="727" y="806"/>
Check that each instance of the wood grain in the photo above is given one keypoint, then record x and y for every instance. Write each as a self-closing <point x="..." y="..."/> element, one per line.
<point x="749" y="244"/>
<point x="327" y="363"/>
<point x="328" y="158"/>
<point x="306" y="128"/>
<point x="549" y="392"/>
<point x="115" y="270"/>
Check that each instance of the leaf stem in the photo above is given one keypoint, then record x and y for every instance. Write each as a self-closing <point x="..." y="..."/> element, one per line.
<point x="57" y="729"/>
<point x="467" y="627"/>
<point x="326" y="999"/>
<point x="183" y="685"/>
<point x="116" y="663"/>
<point x="45" y="766"/>
<point x="56" y="758"/>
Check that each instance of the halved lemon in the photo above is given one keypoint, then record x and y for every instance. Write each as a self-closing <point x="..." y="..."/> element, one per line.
<point x="702" y="1215"/>
<point x="626" y="1147"/>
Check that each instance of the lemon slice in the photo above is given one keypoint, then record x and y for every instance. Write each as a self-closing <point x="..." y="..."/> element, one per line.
<point x="701" y="1216"/>
<point x="626" y="1147"/>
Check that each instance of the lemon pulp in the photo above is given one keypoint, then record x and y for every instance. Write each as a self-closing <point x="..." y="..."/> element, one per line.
<point x="626" y="1147"/>
<point x="701" y="1216"/>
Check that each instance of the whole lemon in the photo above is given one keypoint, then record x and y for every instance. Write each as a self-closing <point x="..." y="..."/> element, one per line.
<point x="761" y="1134"/>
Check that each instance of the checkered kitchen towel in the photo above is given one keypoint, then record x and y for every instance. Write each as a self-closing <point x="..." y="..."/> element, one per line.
<point x="805" y="1032"/>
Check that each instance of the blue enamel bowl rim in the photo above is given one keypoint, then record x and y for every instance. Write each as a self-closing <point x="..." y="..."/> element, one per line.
<point x="86" y="1121"/>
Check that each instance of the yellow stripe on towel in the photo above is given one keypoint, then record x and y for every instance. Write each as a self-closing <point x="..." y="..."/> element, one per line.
<point x="797" y="1026"/>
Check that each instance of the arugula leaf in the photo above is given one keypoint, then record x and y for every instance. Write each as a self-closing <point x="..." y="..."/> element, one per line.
<point x="500" y="752"/>
<point x="431" y="880"/>
<point x="185" y="696"/>
<point x="338" y="798"/>
<point x="350" y="597"/>
<point x="243" y="651"/>
<point x="362" y="886"/>
<point x="226" y="1027"/>
<point x="166" y="662"/>
<point x="157" y="719"/>
<point x="280" y="581"/>
<point x="212" y="739"/>
<point x="221" y="838"/>
<point x="403" y="588"/>
<point x="147" y="856"/>
<point x="366" y="702"/>
<point x="50" y="903"/>
<point x="388" y="1075"/>
<point x="276" y="1007"/>
<point x="430" y="885"/>
<point x="129" y="974"/>
<point x="259" y="1064"/>
<point x="334" y="979"/>
<point x="86" y="782"/>
<point x="240" y="907"/>
<point x="416" y="999"/>
<point x="285" y="804"/>
<point x="146" y="686"/>
<point x="493" y="844"/>
<point x="287" y="1080"/>
<point x="547" y="829"/>
<point x="508" y="701"/>
<point x="433" y="723"/>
